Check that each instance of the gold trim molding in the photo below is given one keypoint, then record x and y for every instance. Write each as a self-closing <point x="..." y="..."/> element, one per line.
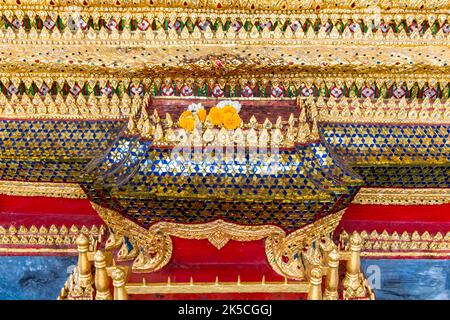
<point x="414" y="244"/>
<point x="225" y="5"/>
<point x="42" y="189"/>
<point x="230" y="6"/>
<point x="339" y="78"/>
<point x="67" y="108"/>
<point x="14" y="238"/>
<point x="218" y="232"/>
<point x="163" y="38"/>
<point x="217" y="287"/>
<point x="396" y="196"/>
<point x="353" y="110"/>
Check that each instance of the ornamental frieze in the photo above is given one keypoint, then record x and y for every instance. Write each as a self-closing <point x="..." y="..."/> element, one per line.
<point x="79" y="89"/>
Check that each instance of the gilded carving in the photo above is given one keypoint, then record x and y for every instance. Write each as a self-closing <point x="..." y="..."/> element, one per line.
<point x="67" y="108"/>
<point x="238" y="5"/>
<point x="412" y="244"/>
<point x="396" y="196"/>
<point x="41" y="189"/>
<point x="283" y="252"/>
<point x="102" y="60"/>
<point x="16" y="238"/>
<point x="380" y="110"/>
<point x="217" y="232"/>
<point x="155" y="248"/>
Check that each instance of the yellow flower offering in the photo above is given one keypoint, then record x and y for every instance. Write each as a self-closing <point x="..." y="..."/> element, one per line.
<point x="229" y="109"/>
<point x="201" y="114"/>
<point x="186" y="113"/>
<point x="187" y="121"/>
<point x="231" y="120"/>
<point x="215" y="116"/>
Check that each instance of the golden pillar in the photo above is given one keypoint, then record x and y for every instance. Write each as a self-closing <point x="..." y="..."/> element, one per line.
<point x="101" y="277"/>
<point x="118" y="276"/>
<point x="332" y="279"/>
<point x="315" y="284"/>
<point x="351" y="279"/>
<point x="84" y="266"/>
<point x="326" y="247"/>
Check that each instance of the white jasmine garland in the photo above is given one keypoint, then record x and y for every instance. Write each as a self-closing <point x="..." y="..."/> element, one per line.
<point x="234" y="104"/>
<point x="194" y="107"/>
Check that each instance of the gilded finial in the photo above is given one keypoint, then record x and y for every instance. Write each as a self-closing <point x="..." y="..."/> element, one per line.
<point x="82" y="243"/>
<point x="118" y="276"/>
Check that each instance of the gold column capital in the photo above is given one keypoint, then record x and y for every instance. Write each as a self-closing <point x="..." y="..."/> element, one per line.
<point x="82" y="243"/>
<point x="355" y="241"/>
<point x="100" y="259"/>
<point x="333" y="258"/>
<point x="118" y="276"/>
<point x="315" y="284"/>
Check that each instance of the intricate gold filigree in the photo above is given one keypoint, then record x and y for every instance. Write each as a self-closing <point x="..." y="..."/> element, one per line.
<point x="72" y="289"/>
<point x="284" y="253"/>
<point x="42" y="189"/>
<point x="396" y="196"/>
<point x="198" y="36"/>
<point x="354" y="110"/>
<point x="380" y="77"/>
<point x="136" y="58"/>
<point x="404" y="244"/>
<point x="227" y="5"/>
<point x="155" y="248"/>
<point x="67" y="108"/>
<point x="13" y="237"/>
<point x="217" y="232"/>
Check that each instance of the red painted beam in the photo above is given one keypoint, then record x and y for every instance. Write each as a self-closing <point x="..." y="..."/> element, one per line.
<point x="421" y="218"/>
<point x="45" y="211"/>
<point x="200" y="260"/>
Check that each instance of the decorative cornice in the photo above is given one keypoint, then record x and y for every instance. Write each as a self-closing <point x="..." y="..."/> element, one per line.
<point x="90" y="80"/>
<point x="42" y="189"/>
<point x="346" y="110"/>
<point x="353" y="110"/>
<point x="23" y="239"/>
<point x="284" y="8"/>
<point x="406" y="244"/>
<point x="227" y="5"/>
<point x="18" y="107"/>
<point x="207" y="37"/>
<point x="156" y="49"/>
<point x="395" y="196"/>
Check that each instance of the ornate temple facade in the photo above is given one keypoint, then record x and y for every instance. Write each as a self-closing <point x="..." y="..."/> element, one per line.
<point x="193" y="149"/>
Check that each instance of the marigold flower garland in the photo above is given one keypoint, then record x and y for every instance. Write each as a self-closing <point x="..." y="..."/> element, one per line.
<point x="224" y="114"/>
